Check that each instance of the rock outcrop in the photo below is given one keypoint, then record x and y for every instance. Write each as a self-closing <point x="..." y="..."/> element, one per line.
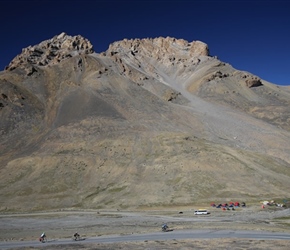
<point x="51" y="51"/>
<point x="165" y="48"/>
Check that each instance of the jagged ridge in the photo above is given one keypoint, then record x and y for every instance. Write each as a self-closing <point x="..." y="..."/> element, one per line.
<point x="52" y="51"/>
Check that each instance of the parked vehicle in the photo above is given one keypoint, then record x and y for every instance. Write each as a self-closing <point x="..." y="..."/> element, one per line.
<point x="201" y="211"/>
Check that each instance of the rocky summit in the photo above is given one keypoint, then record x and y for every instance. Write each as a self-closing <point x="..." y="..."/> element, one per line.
<point x="152" y="122"/>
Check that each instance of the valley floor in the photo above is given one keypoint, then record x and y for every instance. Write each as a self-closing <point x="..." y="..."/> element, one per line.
<point x="93" y="223"/>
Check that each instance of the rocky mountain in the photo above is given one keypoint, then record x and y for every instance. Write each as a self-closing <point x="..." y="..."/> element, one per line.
<point x="147" y="123"/>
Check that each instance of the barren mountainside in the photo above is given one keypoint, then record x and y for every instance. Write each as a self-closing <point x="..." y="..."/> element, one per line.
<point x="149" y="122"/>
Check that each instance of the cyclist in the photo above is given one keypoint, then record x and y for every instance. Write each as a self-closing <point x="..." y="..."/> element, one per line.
<point x="164" y="227"/>
<point x="42" y="237"/>
<point x="76" y="236"/>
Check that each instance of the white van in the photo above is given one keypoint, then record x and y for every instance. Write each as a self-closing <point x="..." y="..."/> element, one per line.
<point x="201" y="211"/>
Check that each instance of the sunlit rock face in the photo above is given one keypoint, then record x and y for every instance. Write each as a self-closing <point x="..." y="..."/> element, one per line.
<point x="52" y="51"/>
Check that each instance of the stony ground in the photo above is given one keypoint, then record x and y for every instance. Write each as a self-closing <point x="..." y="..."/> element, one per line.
<point x="89" y="223"/>
<point x="234" y="244"/>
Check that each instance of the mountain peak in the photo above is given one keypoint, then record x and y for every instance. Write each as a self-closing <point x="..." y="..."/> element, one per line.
<point x="52" y="51"/>
<point x="161" y="45"/>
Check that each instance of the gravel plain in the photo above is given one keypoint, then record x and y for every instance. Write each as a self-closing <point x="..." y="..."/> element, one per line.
<point x="92" y="223"/>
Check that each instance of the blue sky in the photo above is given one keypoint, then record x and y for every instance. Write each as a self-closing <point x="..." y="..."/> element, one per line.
<point x="250" y="35"/>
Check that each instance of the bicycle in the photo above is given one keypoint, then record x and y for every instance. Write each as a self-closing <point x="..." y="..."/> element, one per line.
<point x="42" y="239"/>
<point x="164" y="228"/>
<point x="76" y="237"/>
